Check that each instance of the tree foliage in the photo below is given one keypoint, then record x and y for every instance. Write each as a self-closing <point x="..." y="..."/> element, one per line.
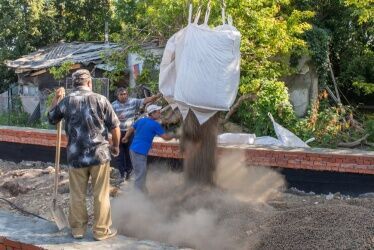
<point x="274" y="32"/>
<point x="26" y="25"/>
<point x="348" y="27"/>
<point x="59" y="72"/>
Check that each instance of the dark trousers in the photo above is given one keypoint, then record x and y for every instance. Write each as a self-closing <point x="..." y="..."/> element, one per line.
<point x="123" y="159"/>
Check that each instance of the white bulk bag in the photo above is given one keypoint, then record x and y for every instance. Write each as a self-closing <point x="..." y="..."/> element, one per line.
<point x="200" y="68"/>
<point x="208" y="67"/>
<point x="168" y="72"/>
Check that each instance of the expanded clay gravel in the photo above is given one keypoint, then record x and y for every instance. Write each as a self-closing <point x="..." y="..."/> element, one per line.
<point x="334" y="225"/>
<point x="293" y="220"/>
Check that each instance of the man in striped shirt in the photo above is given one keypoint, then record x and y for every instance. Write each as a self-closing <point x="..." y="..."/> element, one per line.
<point x="126" y="109"/>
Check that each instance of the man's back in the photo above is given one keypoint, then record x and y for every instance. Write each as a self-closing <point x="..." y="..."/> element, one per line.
<point x="145" y="130"/>
<point x="88" y="117"/>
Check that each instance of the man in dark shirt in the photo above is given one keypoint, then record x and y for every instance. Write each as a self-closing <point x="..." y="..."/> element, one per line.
<point x="126" y="109"/>
<point x="88" y="118"/>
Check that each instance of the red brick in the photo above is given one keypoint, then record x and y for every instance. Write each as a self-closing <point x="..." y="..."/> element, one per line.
<point x="305" y="163"/>
<point x="281" y="163"/>
<point x="348" y="165"/>
<point x="293" y="165"/>
<point x="314" y="158"/>
<point x="30" y="247"/>
<point x="319" y="163"/>
<point x="13" y="244"/>
<point x="359" y="160"/>
<point x="349" y="160"/>
<point x="335" y="168"/>
<point x="332" y="164"/>
<point x="367" y="162"/>
<point x="362" y="168"/>
<point x="369" y="171"/>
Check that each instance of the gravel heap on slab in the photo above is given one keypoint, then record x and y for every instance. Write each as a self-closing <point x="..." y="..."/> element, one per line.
<point x="292" y="220"/>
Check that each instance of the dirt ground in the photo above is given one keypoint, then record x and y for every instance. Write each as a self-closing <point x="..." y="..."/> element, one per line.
<point x="291" y="220"/>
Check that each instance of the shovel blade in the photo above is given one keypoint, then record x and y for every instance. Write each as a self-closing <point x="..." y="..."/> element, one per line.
<point x="59" y="217"/>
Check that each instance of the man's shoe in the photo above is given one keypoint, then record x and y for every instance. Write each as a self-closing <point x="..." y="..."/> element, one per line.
<point x="111" y="233"/>
<point x="78" y="233"/>
<point x="78" y="236"/>
<point x="127" y="176"/>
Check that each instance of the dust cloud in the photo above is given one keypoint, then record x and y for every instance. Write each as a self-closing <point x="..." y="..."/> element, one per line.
<point x="183" y="214"/>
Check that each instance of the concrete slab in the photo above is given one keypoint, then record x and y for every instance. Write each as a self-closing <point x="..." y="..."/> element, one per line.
<point x="45" y="234"/>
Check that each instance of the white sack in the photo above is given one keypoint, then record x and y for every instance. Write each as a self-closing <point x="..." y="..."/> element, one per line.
<point x="268" y="140"/>
<point x="287" y="138"/>
<point x="236" y="138"/>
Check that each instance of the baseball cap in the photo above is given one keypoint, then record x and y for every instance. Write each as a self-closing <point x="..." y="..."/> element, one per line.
<point x="151" y="108"/>
<point x="81" y="74"/>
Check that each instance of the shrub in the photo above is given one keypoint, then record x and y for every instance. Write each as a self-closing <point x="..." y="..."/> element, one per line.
<point x="271" y="98"/>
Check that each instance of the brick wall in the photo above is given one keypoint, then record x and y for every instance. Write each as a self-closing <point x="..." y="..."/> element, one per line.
<point x="6" y="244"/>
<point x="30" y="136"/>
<point x="338" y="160"/>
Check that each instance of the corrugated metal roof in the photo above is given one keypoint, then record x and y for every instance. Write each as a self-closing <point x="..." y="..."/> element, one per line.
<point x="58" y="53"/>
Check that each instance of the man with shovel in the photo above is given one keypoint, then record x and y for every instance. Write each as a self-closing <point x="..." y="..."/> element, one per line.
<point x="88" y="117"/>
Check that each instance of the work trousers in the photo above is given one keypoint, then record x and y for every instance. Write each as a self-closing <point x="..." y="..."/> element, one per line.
<point x="124" y="159"/>
<point x="78" y="182"/>
<point x="140" y="169"/>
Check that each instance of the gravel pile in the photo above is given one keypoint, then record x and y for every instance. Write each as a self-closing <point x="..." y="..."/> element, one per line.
<point x="291" y="220"/>
<point x="330" y="225"/>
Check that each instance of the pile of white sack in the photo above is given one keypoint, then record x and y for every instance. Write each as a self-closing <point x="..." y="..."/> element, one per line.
<point x="284" y="138"/>
<point x="200" y="67"/>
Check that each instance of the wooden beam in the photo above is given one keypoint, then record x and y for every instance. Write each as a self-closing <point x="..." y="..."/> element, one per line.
<point x="39" y="72"/>
<point x="75" y="66"/>
<point x="334" y="82"/>
<point x="20" y="71"/>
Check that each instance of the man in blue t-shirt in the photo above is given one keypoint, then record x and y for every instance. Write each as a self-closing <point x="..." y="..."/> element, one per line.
<point x="126" y="109"/>
<point x="145" y="130"/>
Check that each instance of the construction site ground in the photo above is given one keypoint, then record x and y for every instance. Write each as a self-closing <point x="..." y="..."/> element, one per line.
<point x="292" y="219"/>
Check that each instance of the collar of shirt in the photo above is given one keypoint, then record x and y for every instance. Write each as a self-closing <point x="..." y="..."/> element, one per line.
<point x="82" y="88"/>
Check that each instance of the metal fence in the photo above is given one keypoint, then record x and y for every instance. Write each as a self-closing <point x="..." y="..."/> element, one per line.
<point x="99" y="85"/>
<point x="26" y="106"/>
<point x="18" y="110"/>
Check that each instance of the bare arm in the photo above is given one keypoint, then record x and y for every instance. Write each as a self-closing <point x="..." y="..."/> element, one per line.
<point x="152" y="99"/>
<point x="60" y="93"/>
<point x="116" y="135"/>
<point x="129" y="132"/>
<point x="168" y="137"/>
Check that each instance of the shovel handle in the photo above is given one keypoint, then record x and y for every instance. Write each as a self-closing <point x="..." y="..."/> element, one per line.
<point x="57" y="155"/>
<point x="57" y="159"/>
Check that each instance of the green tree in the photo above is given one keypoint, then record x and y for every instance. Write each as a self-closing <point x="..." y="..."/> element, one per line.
<point x="24" y="27"/>
<point x="350" y="32"/>
<point x="83" y="20"/>
<point x="271" y="32"/>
